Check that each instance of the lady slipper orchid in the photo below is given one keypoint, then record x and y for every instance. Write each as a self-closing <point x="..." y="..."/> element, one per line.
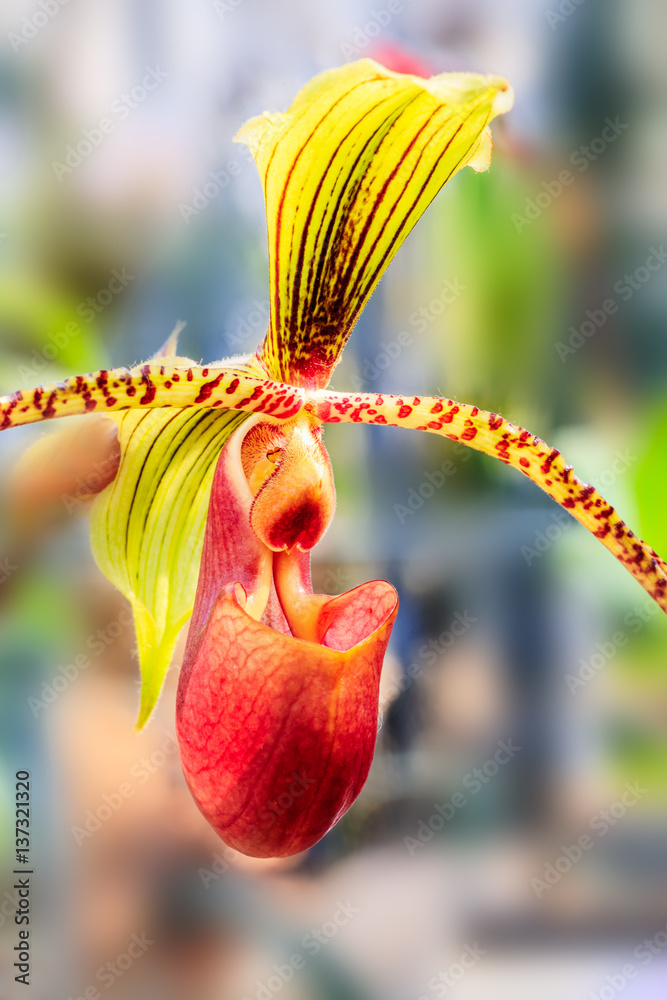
<point x="278" y="693"/>
<point x="223" y="474"/>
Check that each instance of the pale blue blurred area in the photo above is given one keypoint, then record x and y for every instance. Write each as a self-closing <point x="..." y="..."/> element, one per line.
<point x="503" y="268"/>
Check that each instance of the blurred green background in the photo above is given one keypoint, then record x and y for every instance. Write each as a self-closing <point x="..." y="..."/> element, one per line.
<point x="538" y="290"/>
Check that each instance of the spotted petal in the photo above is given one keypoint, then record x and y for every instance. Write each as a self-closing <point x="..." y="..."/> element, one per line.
<point x="495" y="436"/>
<point x="174" y="382"/>
<point x="347" y="172"/>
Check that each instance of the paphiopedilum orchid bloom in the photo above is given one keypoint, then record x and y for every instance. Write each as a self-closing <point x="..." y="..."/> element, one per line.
<point x="278" y="694"/>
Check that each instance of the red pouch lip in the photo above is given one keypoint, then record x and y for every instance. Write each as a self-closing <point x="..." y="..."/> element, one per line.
<point x="277" y="733"/>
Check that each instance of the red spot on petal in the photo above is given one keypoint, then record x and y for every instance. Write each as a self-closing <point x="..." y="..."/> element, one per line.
<point x="208" y="387"/>
<point x="49" y="409"/>
<point x="549" y="460"/>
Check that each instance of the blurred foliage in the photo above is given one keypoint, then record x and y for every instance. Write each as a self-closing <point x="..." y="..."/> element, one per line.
<point x="43" y="338"/>
<point x="651" y="479"/>
<point x="497" y="349"/>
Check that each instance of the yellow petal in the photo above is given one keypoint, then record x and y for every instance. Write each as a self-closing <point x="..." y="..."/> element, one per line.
<point x="147" y="527"/>
<point x="495" y="436"/>
<point x="347" y="172"/>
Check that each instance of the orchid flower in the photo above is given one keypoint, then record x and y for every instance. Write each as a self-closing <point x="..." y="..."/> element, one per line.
<point x="221" y="483"/>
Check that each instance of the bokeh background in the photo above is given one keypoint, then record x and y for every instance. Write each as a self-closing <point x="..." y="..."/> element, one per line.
<point x="515" y="627"/>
